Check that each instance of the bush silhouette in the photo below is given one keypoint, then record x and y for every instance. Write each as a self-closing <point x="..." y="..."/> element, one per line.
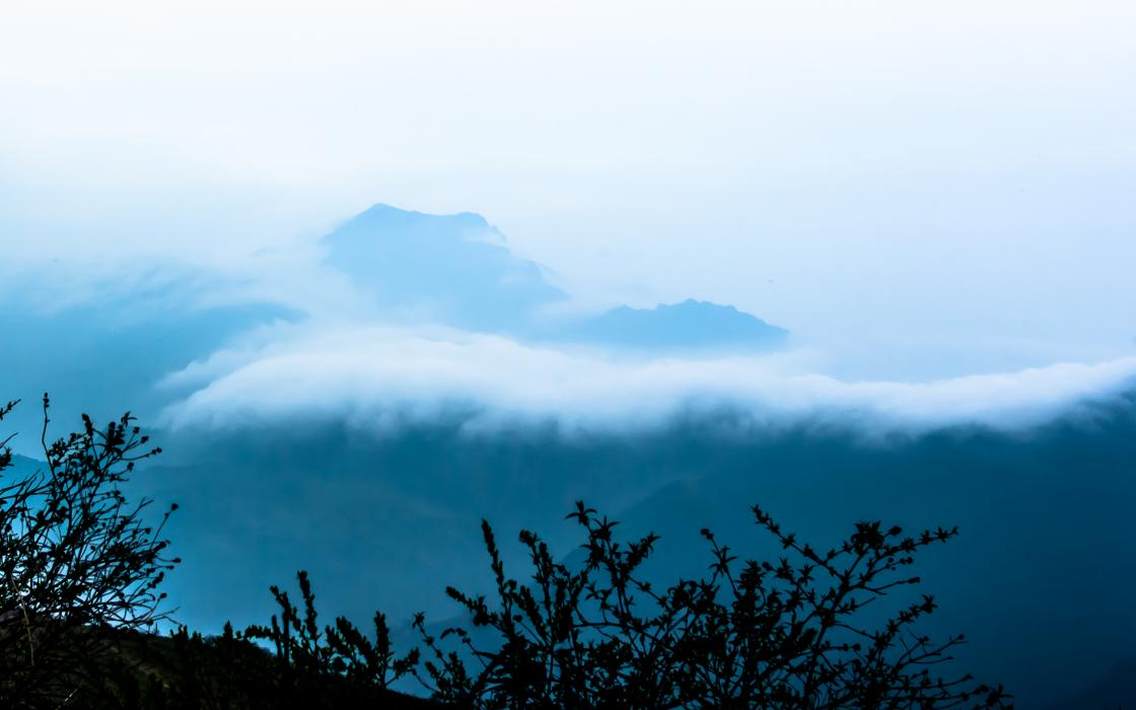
<point x="778" y="634"/>
<point x="80" y="602"/>
<point x="76" y="561"/>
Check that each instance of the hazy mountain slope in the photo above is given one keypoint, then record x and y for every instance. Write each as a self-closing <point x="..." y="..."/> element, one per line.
<point x="453" y="269"/>
<point x="106" y="358"/>
<point x="687" y="325"/>
<point x="1039" y="579"/>
<point x="1116" y="688"/>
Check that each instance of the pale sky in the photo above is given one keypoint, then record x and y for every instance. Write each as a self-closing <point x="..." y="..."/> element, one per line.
<point x="886" y="179"/>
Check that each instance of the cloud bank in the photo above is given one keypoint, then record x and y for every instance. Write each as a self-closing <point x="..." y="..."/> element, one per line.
<point x="378" y="377"/>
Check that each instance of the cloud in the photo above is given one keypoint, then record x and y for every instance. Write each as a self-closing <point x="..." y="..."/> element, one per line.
<point x="377" y="377"/>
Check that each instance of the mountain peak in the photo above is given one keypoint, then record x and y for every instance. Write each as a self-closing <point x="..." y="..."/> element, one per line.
<point x="686" y="324"/>
<point x="389" y="214"/>
<point x="457" y="269"/>
<point x="453" y="269"/>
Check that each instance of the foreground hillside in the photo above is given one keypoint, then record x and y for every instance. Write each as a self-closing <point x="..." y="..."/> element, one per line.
<point x="187" y="671"/>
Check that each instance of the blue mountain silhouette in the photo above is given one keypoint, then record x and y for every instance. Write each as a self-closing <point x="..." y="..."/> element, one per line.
<point x="458" y="269"/>
<point x="451" y="269"/>
<point x="690" y="324"/>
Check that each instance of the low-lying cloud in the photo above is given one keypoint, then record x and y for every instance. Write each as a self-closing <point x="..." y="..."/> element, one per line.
<point x="376" y="377"/>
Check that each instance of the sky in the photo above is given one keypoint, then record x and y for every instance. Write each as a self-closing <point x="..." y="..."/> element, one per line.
<point x="897" y="183"/>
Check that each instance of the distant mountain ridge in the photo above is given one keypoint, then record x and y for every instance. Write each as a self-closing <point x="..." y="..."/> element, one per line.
<point x="457" y="269"/>
<point x="689" y="324"/>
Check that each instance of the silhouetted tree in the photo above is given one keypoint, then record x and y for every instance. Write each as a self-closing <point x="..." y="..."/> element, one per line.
<point x="76" y="561"/>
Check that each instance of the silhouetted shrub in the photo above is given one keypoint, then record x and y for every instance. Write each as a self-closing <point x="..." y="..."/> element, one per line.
<point x="312" y="661"/>
<point x="76" y="561"/>
<point x="781" y="634"/>
<point x="188" y="671"/>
